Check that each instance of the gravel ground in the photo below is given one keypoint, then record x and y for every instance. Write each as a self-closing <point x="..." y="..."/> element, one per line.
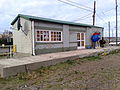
<point x="92" y="73"/>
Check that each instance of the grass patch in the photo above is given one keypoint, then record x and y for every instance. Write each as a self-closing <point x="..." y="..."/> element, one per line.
<point x="115" y="52"/>
<point x="60" y="79"/>
<point x="91" y="58"/>
<point x="43" y="74"/>
<point x="93" y="75"/>
<point x="4" y="56"/>
<point x="71" y="62"/>
<point x="49" y="69"/>
<point x="54" y="87"/>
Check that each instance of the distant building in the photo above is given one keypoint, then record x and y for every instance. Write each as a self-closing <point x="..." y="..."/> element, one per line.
<point x="6" y="38"/>
<point x="0" y="35"/>
<point x="112" y="39"/>
<point x="36" y="35"/>
<point x="8" y="35"/>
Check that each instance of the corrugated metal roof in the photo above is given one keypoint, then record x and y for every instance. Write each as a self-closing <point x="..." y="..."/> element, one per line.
<point x="29" y="17"/>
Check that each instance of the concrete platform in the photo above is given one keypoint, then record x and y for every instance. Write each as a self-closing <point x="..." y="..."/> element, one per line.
<point x="9" y="67"/>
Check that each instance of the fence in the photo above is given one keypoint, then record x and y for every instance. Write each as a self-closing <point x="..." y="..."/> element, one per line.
<point x="6" y="50"/>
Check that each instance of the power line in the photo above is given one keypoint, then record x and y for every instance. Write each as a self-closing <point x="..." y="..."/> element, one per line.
<point x="101" y="18"/>
<point x="75" y="5"/>
<point x="80" y="4"/>
<point x="104" y="12"/>
<point x="109" y="10"/>
<point x="83" y="17"/>
<point x="71" y="3"/>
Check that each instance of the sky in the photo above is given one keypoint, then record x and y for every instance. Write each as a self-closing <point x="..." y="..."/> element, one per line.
<point x="56" y="9"/>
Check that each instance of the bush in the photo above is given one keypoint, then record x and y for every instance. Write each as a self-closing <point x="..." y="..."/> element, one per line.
<point x="6" y="41"/>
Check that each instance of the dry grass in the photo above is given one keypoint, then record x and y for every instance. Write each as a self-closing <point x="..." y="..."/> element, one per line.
<point x="68" y="76"/>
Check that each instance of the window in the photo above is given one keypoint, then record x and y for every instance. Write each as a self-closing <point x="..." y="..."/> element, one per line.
<point x="82" y="36"/>
<point x="55" y="36"/>
<point x="78" y="36"/>
<point x="48" y="36"/>
<point x="42" y="36"/>
<point x="81" y="40"/>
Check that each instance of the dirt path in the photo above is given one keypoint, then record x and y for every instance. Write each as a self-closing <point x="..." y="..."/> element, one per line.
<point x="106" y="62"/>
<point x="90" y="73"/>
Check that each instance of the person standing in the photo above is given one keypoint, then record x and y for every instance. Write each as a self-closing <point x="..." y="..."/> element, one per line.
<point x="95" y="38"/>
<point x="102" y="42"/>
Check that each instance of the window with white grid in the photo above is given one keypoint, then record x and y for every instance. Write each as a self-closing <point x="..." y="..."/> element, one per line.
<point x="81" y="39"/>
<point x="48" y="36"/>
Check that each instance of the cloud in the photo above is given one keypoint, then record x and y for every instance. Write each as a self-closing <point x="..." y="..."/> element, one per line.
<point x="58" y="10"/>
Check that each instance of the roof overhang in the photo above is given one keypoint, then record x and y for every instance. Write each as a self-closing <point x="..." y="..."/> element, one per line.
<point x="28" y="17"/>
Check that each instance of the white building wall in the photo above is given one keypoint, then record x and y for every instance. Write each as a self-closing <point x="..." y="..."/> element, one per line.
<point x="66" y="35"/>
<point x="73" y="34"/>
<point x="22" y="41"/>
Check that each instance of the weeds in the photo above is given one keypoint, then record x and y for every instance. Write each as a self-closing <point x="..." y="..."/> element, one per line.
<point x="60" y="79"/>
<point x="44" y="73"/>
<point x="71" y="62"/>
<point x="91" y="58"/>
<point x="115" y="52"/>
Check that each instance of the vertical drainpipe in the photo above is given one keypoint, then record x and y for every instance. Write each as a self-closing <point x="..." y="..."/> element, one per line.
<point x="33" y="37"/>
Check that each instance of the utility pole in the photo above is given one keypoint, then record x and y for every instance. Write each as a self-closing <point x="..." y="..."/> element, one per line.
<point x="116" y="24"/>
<point x="112" y="32"/>
<point x="109" y="30"/>
<point x="94" y="12"/>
